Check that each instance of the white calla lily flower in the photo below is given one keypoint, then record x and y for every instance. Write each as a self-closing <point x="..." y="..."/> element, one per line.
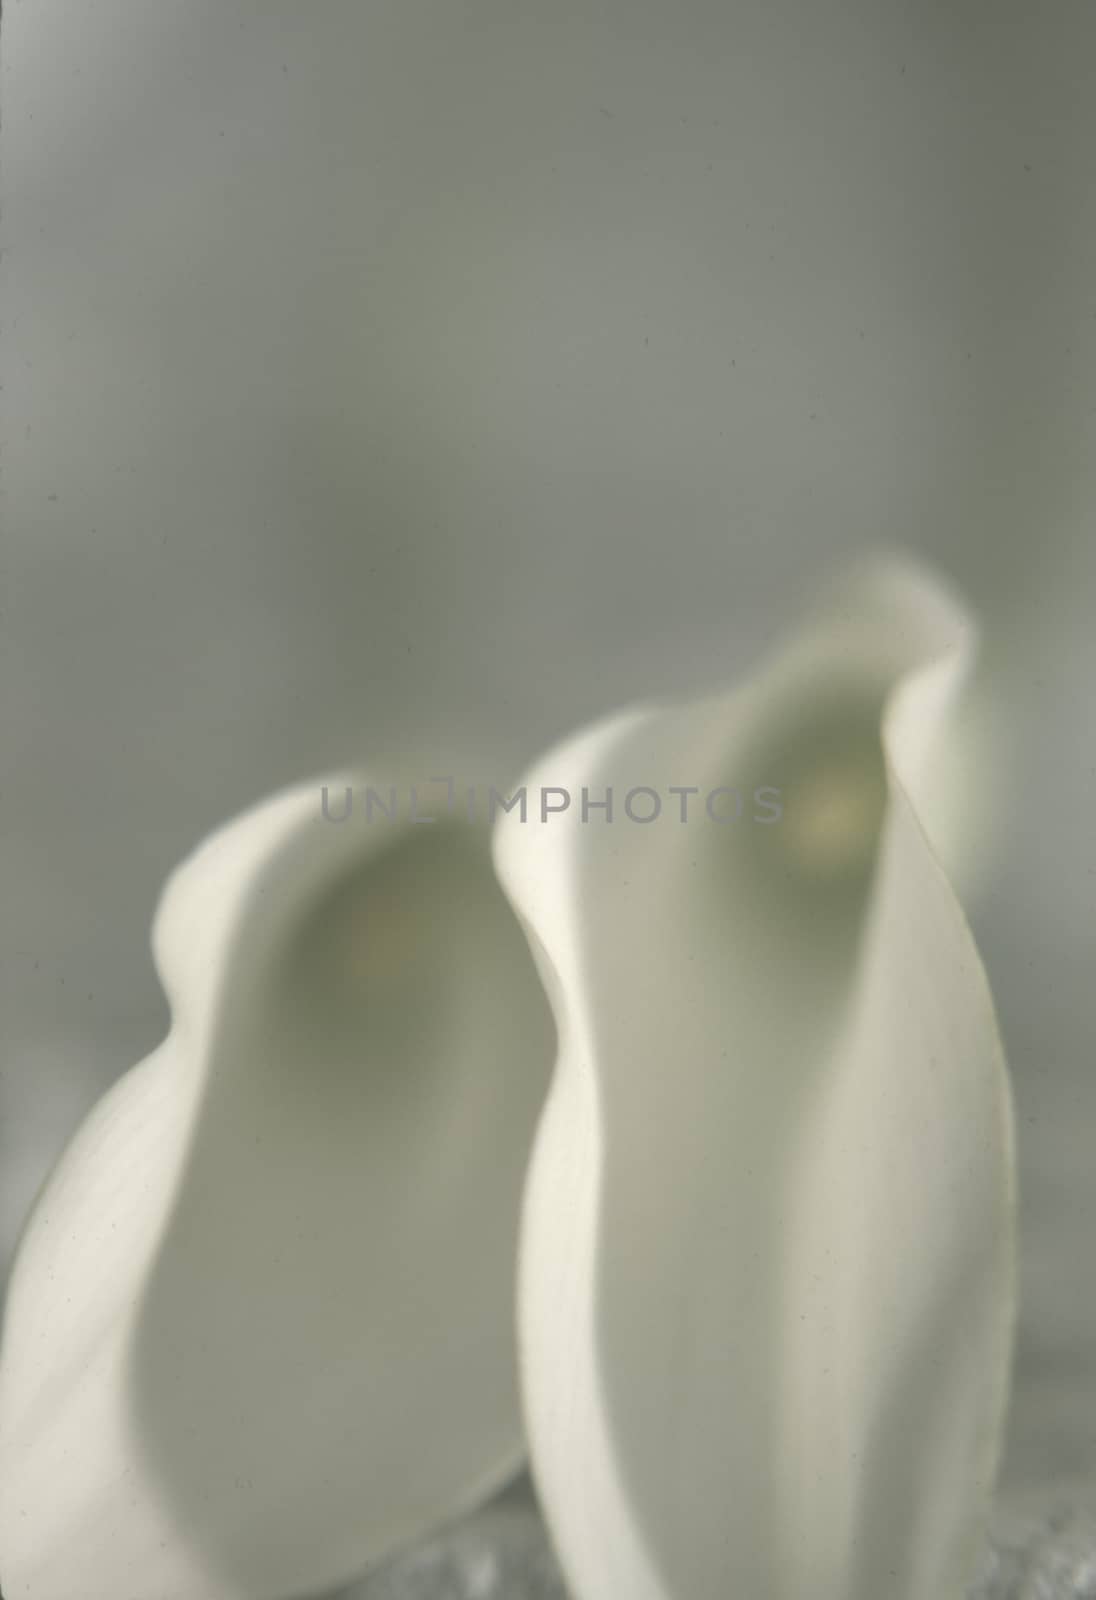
<point x="260" y="1326"/>
<point x="766" y="1290"/>
<point x="259" y="1331"/>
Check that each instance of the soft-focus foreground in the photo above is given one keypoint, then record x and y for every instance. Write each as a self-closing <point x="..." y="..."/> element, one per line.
<point x="259" y="1330"/>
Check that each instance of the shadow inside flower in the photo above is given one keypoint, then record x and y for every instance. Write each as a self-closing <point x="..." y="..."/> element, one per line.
<point x="323" y="1353"/>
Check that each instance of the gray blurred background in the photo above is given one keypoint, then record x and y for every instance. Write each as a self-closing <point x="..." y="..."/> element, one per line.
<point x="394" y="378"/>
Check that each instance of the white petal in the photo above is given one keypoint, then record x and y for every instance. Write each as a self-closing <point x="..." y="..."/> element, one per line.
<point x="767" y="1276"/>
<point x="259" y="1330"/>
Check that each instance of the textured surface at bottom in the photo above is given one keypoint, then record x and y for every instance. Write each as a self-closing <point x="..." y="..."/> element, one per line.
<point x="499" y="1553"/>
<point x="1050" y="1558"/>
<point x="502" y="1553"/>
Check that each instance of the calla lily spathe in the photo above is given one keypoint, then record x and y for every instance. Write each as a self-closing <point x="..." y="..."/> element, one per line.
<point x="767" y="1264"/>
<point x="260" y="1326"/>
